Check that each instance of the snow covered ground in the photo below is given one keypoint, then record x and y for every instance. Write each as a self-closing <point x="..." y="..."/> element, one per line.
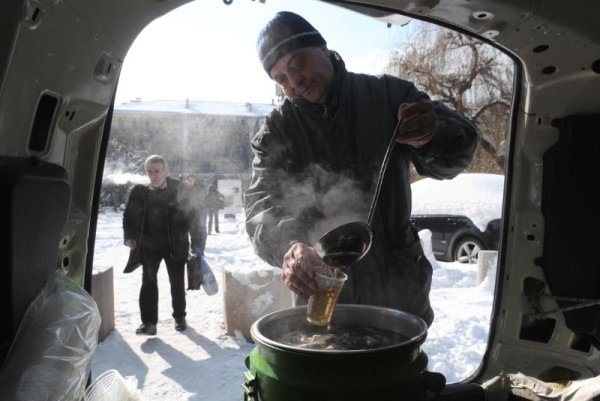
<point x="203" y="363"/>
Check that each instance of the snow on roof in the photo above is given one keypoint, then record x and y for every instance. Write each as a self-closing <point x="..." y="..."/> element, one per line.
<point x="198" y="107"/>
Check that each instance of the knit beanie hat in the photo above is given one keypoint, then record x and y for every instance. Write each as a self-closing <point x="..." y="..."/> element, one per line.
<point x="285" y="33"/>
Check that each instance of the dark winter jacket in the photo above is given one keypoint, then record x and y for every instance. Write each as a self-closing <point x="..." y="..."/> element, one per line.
<point x="316" y="166"/>
<point x="181" y="221"/>
<point x="214" y="199"/>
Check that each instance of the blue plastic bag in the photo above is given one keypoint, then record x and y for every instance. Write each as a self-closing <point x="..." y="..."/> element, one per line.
<point x="209" y="282"/>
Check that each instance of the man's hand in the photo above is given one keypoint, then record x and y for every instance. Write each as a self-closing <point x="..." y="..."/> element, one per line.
<point x="417" y="122"/>
<point x="130" y="243"/>
<point x="298" y="270"/>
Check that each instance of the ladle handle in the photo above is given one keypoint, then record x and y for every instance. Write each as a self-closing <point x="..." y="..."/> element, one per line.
<point x="386" y="159"/>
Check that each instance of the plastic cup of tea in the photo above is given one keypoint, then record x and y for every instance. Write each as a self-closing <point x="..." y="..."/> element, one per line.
<point x="322" y="303"/>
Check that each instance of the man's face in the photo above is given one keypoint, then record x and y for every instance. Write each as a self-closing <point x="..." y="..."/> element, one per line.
<point x="157" y="174"/>
<point x="305" y="73"/>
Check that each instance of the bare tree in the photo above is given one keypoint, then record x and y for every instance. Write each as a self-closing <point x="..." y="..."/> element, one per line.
<point x="468" y="75"/>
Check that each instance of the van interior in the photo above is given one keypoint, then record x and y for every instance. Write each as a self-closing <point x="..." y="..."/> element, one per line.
<point x="60" y="64"/>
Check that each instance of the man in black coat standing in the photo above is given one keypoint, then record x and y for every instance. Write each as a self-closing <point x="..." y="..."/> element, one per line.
<point x="317" y="159"/>
<point x="157" y="223"/>
<point x="197" y="193"/>
<point x="215" y="202"/>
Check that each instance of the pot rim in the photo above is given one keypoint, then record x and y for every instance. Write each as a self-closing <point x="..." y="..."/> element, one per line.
<point x="412" y="343"/>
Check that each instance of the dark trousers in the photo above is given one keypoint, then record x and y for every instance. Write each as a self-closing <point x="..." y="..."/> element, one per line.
<point x="213" y="214"/>
<point x="149" y="292"/>
<point x="202" y="214"/>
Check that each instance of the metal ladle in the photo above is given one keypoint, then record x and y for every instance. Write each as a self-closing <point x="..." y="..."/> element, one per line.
<point x="349" y="242"/>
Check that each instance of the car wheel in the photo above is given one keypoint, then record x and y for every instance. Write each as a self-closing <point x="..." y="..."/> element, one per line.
<point x="467" y="250"/>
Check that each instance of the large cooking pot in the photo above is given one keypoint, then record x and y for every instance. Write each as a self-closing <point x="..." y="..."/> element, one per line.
<point x="281" y="371"/>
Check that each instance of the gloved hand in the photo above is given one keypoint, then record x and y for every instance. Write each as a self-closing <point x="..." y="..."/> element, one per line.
<point x="198" y="251"/>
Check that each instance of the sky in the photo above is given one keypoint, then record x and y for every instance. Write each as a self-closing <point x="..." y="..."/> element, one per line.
<point x="204" y="363"/>
<point x="206" y="50"/>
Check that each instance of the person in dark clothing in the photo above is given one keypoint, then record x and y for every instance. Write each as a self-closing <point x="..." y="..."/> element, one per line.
<point x="198" y="201"/>
<point x="157" y="223"/>
<point x="316" y="162"/>
<point x="215" y="201"/>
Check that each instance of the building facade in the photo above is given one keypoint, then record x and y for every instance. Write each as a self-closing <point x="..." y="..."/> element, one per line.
<point x="209" y="139"/>
<point x="204" y="138"/>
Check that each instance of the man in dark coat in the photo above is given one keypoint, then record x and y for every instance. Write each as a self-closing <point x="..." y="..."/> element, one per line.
<point x="157" y="224"/>
<point x="215" y="202"/>
<point x="197" y="192"/>
<point x="317" y="159"/>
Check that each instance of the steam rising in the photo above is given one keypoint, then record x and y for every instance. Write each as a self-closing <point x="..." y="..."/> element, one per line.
<point x="327" y="199"/>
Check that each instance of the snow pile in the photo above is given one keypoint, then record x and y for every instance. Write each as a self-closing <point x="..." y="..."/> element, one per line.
<point x="477" y="196"/>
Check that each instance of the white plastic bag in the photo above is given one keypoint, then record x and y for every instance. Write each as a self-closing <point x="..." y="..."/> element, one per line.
<point x="111" y="386"/>
<point x="209" y="282"/>
<point x="50" y="357"/>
